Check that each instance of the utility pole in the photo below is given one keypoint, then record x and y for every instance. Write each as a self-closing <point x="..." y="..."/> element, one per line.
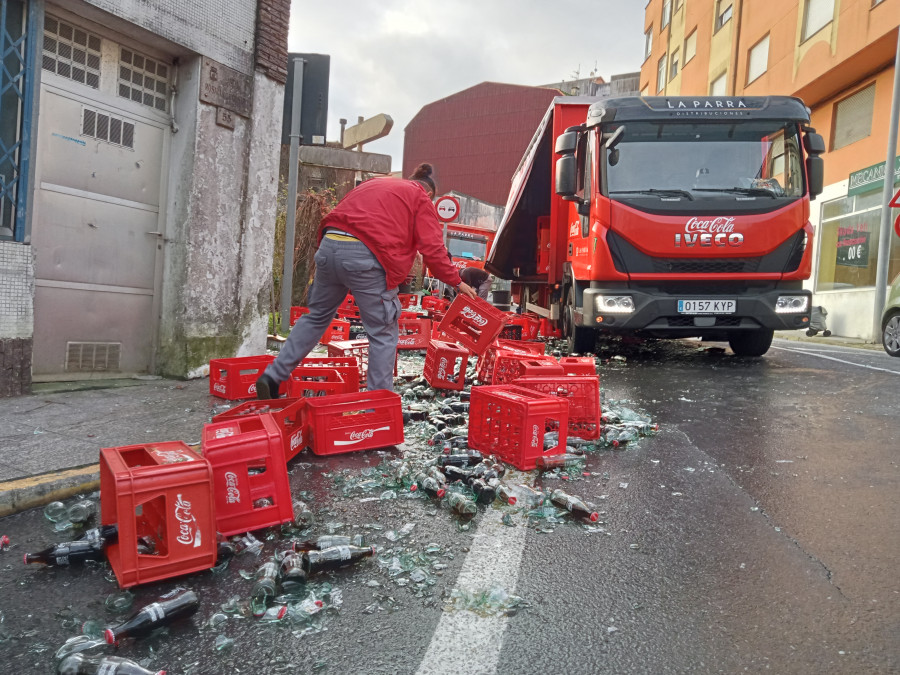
<point x="287" y="278"/>
<point x="884" y="234"/>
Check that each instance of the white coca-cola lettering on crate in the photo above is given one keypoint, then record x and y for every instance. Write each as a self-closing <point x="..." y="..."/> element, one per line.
<point x="442" y="368"/>
<point x="232" y="494"/>
<point x="188" y="530"/>
<point x="252" y="389"/>
<point x="534" y="436"/>
<point x="172" y="456"/>
<point x="224" y="432"/>
<point x="474" y="316"/>
<point x="219" y="387"/>
<point x="359" y="436"/>
<point x="297" y="440"/>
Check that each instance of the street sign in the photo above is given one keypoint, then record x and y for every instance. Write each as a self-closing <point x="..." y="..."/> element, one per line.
<point x="368" y="130"/>
<point x="447" y="208"/>
<point x="895" y="204"/>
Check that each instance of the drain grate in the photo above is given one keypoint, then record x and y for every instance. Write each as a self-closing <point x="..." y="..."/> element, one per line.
<point x="88" y="357"/>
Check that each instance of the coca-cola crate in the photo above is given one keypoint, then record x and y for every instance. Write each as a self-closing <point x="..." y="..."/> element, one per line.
<point x="351" y="422"/>
<point x="289" y="415"/>
<point x="338" y="330"/>
<point x="348" y="314"/>
<point x="414" y="334"/>
<point x="509" y="365"/>
<point x="510" y="422"/>
<point x="410" y="315"/>
<point x="487" y="361"/>
<point x="162" y="491"/>
<point x="297" y="312"/>
<point x="433" y="304"/>
<point x="538" y="348"/>
<point x="547" y="329"/>
<point x="408" y="300"/>
<point x="579" y="365"/>
<point x="583" y="394"/>
<point x="545" y="366"/>
<point x="348" y="303"/>
<point x="472" y="322"/>
<point x="445" y="365"/>
<point x="511" y="331"/>
<point x="346" y="366"/>
<point x="250" y="481"/>
<point x="528" y="323"/>
<point x="235" y="379"/>
<point x="358" y="349"/>
<point x="312" y="381"/>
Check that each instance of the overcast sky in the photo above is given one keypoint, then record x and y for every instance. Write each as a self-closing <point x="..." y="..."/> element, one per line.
<point x="396" y="56"/>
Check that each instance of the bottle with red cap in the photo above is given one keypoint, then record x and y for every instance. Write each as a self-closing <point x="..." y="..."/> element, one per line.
<point x="79" y="664"/>
<point x="167" y="610"/>
<point x="573" y="505"/>
<point x="428" y="485"/>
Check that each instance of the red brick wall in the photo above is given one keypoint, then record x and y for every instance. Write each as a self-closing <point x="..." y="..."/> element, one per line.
<point x="271" y="38"/>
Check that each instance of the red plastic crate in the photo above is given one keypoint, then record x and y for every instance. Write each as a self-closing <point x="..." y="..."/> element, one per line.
<point x="579" y="365"/>
<point x="408" y="300"/>
<point x="289" y="415"/>
<point x="248" y="464"/>
<point x="445" y="365"/>
<point x="487" y="361"/>
<point x="583" y="394"/>
<point x="547" y="329"/>
<point x="508" y="366"/>
<point x="531" y="327"/>
<point x="297" y="312"/>
<point x="544" y="367"/>
<point x="235" y="379"/>
<point x="433" y="304"/>
<point x="510" y="422"/>
<point x="511" y="331"/>
<point x="347" y="366"/>
<point x="162" y="491"/>
<point x="338" y="330"/>
<point x="473" y="323"/>
<point x="358" y="349"/>
<point x="538" y="348"/>
<point x="414" y="334"/>
<point x="410" y="315"/>
<point x="312" y="381"/>
<point x="351" y="422"/>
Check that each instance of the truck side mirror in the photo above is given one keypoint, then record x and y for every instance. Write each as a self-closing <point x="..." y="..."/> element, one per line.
<point x="566" y="179"/>
<point x="566" y="143"/>
<point x="815" y="174"/>
<point x="814" y="143"/>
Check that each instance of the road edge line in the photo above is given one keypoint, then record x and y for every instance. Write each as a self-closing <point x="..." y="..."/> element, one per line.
<point x="25" y="493"/>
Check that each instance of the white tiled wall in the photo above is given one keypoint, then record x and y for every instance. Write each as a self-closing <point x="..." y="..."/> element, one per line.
<point x="16" y="290"/>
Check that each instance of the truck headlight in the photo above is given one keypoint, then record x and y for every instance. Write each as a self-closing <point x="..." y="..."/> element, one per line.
<point x="791" y="304"/>
<point x="614" y="304"/>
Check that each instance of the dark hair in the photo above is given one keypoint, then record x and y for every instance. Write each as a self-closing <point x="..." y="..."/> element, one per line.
<point x="423" y="175"/>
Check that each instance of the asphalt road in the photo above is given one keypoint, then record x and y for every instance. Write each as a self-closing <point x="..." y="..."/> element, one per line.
<point x="756" y="532"/>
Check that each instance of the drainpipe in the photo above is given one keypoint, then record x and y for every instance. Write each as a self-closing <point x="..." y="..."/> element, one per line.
<point x="738" y="10"/>
<point x="884" y="234"/>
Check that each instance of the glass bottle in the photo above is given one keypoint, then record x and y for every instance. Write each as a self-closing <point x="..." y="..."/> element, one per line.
<point x="335" y="557"/>
<point x="67" y="553"/>
<point x="155" y="615"/>
<point x="79" y="664"/>
<point x="573" y="505"/>
<point x="461" y="505"/>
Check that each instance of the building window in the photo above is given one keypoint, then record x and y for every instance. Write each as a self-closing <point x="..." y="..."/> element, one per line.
<point x="758" y="59"/>
<point x="71" y="52"/>
<point x="678" y="4"/>
<point x="666" y="13"/>
<point x="648" y="42"/>
<point x="690" y="46"/>
<point x="724" y="9"/>
<point x="848" y="243"/>
<point x="717" y="86"/>
<point x="107" y="128"/>
<point x="661" y="74"/>
<point x="816" y="15"/>
<point x="853" y="118"/>
<point x="673" y="68"/>
<point x="143" y="80"/>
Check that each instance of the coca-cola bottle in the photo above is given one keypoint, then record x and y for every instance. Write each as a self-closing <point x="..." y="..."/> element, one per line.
<point x="506" y="494"/>
<point x="67" y="553"/>
<point x="155" y="615"/>
<point x="562" y="461"/>
<point x="102" y="536"/>
<point x="335" y="557"/>
<point x="436" y="473"/>
<point x="79" y="664"/>
<point x="264" y="587"/>
<point x="454" y="473"/>
<point x="428" y="485"/>
<point x="470" y="458"/>
<point x="573" y="504"/>
<point x="528" y="496"/>
<point x="330" y="540"/>
<point x="484" y="492"/>
<point x="292" y="572"/>
<point x="461" y="505"/>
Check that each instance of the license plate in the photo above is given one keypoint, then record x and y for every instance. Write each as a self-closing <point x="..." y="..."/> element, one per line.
<point x="707" y="306"/>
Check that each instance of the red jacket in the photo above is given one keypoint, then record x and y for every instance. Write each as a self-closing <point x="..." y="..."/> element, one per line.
<point x="394" y="219"/>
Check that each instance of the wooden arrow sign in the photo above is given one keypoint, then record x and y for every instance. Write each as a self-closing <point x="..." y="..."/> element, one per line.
<point x="368" y="130"/>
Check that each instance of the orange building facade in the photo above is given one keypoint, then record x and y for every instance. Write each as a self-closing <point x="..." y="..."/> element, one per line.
<point x="836" y="55"/>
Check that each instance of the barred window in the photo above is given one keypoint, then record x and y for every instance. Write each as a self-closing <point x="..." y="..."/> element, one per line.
<point x="143" y="80"/>
<point x="108" y="128"/>
<point x="853" y="118"/>
<point x="71" y="52"/>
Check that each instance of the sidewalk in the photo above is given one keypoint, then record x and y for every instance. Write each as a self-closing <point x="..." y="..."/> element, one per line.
<point x="50" y="441"/>
<point x="834" y="340"/>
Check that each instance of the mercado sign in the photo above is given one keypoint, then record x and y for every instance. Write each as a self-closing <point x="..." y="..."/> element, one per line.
<point x="871" y="178"/>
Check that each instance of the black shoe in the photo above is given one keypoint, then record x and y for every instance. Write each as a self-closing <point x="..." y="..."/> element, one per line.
<point x="266" y="388"/>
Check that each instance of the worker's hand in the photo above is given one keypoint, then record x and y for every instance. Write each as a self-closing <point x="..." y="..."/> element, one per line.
<point x="467" y="290"/>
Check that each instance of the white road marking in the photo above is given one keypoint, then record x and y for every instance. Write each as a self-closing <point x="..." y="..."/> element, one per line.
<point x="464" y="642"/>
<point x="831" y="358"/>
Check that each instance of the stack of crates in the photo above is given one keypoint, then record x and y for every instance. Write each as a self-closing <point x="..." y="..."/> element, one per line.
<point x="348" y="309"/>
<point x="249" y="476"/>
<point x="414" y="333"/>
<point x="311" y="381"/>
<point x="358" y="349"/>
<point x="445" y="365"/>
<point x="338" y="330"/>
<point x="297" y="312"/>
<point x="472" y="322"/>
<point x="583" y="395"/>
<point x="346" y="366"/>
<point x="289" y="415"/>
<point x="511" y="331"/>
<point x="408" y="300"/>
<point x="161" y="491"/>
<point x="434" y="304"/>
<point x="235" y="379"/>
<point x="352" y="422"/>
<point x="510" y="422"/>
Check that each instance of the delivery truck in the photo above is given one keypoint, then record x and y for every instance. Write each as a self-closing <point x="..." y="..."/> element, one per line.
<point x="665" y="217"/>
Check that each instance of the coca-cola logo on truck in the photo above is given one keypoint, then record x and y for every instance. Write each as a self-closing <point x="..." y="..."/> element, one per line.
<point x="717" y="231"/>
<point x="188" y="530"/>
<point x="473" y="316"/>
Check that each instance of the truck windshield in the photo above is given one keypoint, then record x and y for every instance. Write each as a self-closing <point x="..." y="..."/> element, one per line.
<point x="749" y="164"/>
<point x="466" y="245"/>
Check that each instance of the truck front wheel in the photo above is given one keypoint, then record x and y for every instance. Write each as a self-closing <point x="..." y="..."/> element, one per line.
<point x="581" y="340"/>
<point x="752" y="343"/>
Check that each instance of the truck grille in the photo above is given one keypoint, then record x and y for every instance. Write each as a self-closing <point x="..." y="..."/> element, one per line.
<point x="705" y="265"/>
<point x="688" y="321"/>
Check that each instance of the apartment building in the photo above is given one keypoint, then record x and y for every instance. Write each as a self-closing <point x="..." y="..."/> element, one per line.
<point x="836" y="55"/>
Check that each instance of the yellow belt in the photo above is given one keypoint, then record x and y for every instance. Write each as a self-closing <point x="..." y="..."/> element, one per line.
<point x="339" y="237"/>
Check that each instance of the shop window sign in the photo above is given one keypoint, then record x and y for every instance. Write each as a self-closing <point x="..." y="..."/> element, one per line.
<point x="871" y="178"/>
<point x="853" y="246"/>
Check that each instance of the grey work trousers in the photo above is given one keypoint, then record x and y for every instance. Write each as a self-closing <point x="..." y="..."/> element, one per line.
<point x="343" y="266"/>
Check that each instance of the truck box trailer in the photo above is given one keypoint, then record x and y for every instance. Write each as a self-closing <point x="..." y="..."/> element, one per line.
<point x="665" y="217"/>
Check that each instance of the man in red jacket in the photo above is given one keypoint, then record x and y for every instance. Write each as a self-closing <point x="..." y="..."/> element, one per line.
<point x="367" y="246"/>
